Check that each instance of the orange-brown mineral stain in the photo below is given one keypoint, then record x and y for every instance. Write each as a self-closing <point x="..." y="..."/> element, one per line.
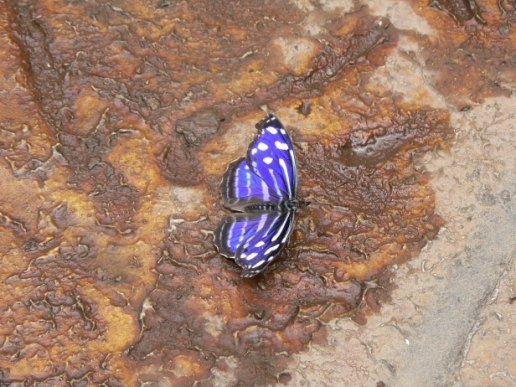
<point x="120" y="121"/>
<point x="473" y="56"/>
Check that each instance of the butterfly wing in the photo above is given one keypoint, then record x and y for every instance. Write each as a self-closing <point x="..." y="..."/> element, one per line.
<point x="241" y="187"/>
<point x="271" y="157"/>
<point x="235" y="229"/>
<point x="253" y="239"/>
<point x="258" y="251"/>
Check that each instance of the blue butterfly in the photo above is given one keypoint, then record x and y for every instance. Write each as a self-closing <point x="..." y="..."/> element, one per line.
<point x="263" y="187"/>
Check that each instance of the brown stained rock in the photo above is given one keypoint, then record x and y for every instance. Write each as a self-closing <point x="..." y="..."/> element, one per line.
<point x="24" y="144"/>
<point x="369" y="189"/>
<point x="474" y="55"/>
<point x="118" y="121"/>
<point x="461" y="10"/>
<point x="366" y="213"/>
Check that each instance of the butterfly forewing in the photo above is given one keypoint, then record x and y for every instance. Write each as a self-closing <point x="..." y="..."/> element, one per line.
<point x="271" y="156"/>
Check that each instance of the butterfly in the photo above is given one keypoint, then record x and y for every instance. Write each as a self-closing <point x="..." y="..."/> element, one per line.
<point x="263" y="187"/>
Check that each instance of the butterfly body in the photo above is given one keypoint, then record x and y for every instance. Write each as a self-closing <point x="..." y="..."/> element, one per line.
<point x="283" y="206"/>
<point x="263" y="188"/>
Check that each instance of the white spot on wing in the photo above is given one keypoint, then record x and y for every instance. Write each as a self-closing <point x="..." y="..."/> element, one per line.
<point x="261" y="223"/>
<point x="281" y="145"/>
<point x="248" y="183"/>
<point x="288" y="233"/>
<point x="276" y="186"/>
<point x="285" y="173"/>
<point x="291" y="153"/>
<point x="250" y="256"/>
<point x="280" y="230"/>
<point x="271" y="249"/>
<point x="267" y="160"/>
<point x="256" y="265"/>
<point x="237" y="177"/>
<point x="272" y="224"/>
<point x="272" y="130"/>
<point x="253" y="151"/>
<point x="242" y="233"/>
<point x="262" y="146"/>
<point x="259" y="244"/>
<point x="265" y="190"/>
<point x="230" y="231"/>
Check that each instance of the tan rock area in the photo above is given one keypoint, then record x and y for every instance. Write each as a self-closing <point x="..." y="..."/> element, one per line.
<point x="117" y="122"/>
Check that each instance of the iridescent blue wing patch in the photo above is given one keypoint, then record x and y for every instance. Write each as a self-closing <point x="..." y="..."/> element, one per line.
<point x="258" y="251"/>
<point x="253" y="240"/>
<point x="241" y="186"/>
<point x="263" y="187"/>
<point x="271" y="156"/>
<point x="236" y="229"/>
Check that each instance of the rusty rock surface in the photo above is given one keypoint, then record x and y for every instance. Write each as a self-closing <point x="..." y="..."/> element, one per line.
<point x="117" y="121"/>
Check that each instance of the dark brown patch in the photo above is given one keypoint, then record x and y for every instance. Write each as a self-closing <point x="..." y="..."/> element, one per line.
<point x="474" y="56"/>
<point x="57" y="309"/>
<point x="284" y="378"/>
<point x="54" y="87"/>
<point x="461" y="10"/>
<point x="305" y="108"/>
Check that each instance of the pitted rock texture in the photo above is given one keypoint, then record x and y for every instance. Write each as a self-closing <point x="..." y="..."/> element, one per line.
<point x="117" y="122"/>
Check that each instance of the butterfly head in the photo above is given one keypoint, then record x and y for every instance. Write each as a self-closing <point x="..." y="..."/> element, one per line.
<point x="302" y="204"/>
<point x="294" y="204"/>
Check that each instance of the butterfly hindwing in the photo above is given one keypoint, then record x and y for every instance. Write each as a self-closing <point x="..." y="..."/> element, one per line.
<point x="235" y="229"/>
<point x="257" y="252"/>
<point x="271" y="156"/>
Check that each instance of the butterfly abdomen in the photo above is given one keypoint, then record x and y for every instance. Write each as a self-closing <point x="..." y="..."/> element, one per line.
<point x="282" y="206"/>
<point x="263" y="207"/>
